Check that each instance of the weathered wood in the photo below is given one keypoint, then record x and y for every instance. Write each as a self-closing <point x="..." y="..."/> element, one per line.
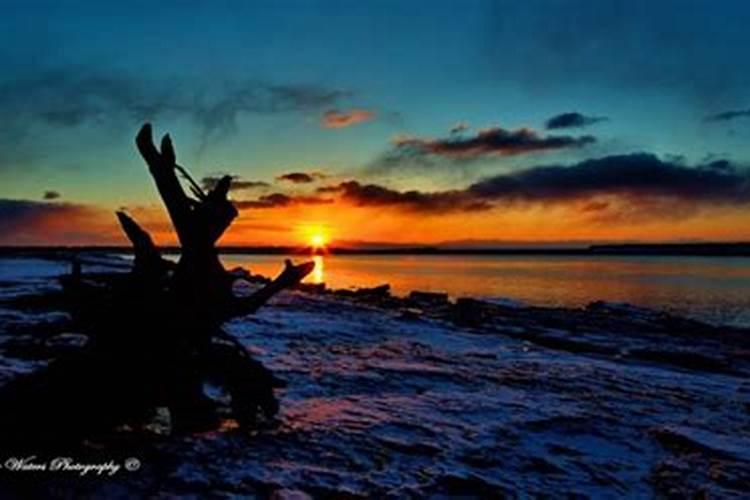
<point x="162" y="169"/>
<point x="201" y="286"/>
<point x="156" y="334"/>
<point x="290" y="276"/>
<point x="148" y="260"/>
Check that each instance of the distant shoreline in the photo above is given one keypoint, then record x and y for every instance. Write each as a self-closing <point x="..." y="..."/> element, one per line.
<point x="739" y="249"/>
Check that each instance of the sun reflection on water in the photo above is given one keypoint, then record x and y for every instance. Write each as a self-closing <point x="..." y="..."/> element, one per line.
<point x="318" y="275"/>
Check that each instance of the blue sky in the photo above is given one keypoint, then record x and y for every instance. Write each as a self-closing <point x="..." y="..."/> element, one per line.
<point x="80" y="77"/>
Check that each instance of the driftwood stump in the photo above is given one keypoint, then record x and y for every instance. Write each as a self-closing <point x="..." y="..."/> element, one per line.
<point x="155" y="335"/>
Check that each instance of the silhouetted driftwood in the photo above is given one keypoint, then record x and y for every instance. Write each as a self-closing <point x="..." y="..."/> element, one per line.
<point x="155" y="334"/>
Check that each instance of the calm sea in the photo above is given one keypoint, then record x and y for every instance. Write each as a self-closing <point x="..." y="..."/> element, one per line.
<point x="712" y="289"/>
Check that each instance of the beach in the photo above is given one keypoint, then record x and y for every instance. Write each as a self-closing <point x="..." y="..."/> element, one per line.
<point x="429" y="396"/>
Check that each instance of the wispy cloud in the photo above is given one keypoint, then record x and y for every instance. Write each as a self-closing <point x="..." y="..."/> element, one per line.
<point x="727" y="116"/>
<point x="459" y="128"/>
<point x="238" y="183"/>
<point x="376" y="195"/>
<point x="218" y="111"/>
<point x="75" y="96"/>
<point x="487" y="143"/>
<point x="334" y="118"/>
<point x="277" y="200"/>
<point x="572" y="120"/>
<point x="301" y="177"/>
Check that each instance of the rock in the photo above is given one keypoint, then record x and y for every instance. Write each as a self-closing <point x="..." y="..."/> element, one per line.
<point x="420" y="448"/>
<point x="161" y="422"/>
<point x="683" y="440"/>
<point x="469" y="312"/>
<point x="625" y="310"/>
<point x="240" y="272"/>
<point x="470" y="486"/>
<point x="66" y="342"/>
<point x="290" y="494"/>
<point x="564" y="342"/>
<point x="429" y="298"/>
<point x="683" y="358"/>
<point x="317" y="288"/>
<point x="411" y="313"/>
<point x="381" y="291"/>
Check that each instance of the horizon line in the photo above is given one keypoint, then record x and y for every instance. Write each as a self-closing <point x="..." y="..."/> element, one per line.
<point x="715" y="248"/>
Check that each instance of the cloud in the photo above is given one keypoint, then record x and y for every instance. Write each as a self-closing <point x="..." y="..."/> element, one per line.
<point x="219" y="111"/>
<point x="638" y="175"/>
<point x="490" y="142"/>
<point x="634" y="184"/>
<point x="301" y="177"/>
<point x="459" y="128"/>
<point x="375" y="195"/>
<point x="334" y="118"/>
<point x="238" y="184"/>
<point x="27" y="222"/>
<point x="74" y="96"/>
<point x="277" y="200"/>
<point x="70" y="96"/>
<point x="727" y="116"/>
<point x="51" y="195"/>
<point x="611" y="189"/>
<point x="572" y="120"/>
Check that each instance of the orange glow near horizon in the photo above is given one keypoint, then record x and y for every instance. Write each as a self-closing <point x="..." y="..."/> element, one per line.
<point x="342" y="224"/>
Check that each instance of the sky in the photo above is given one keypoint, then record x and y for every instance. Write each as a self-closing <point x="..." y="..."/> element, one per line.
<point x="473" y="122"/>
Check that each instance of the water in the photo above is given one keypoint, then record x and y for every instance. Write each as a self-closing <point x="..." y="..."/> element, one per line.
<point x="712" y="289"/>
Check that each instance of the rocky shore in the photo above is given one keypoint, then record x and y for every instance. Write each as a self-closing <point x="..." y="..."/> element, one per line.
<point x="426" y="396"/>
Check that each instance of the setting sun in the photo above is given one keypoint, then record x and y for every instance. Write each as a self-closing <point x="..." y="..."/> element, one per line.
<point x="316" y="236"/>
<point x="318" y="240"/>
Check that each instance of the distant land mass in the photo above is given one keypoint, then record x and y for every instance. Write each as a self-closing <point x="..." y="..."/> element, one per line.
<point x="734" y="249"/>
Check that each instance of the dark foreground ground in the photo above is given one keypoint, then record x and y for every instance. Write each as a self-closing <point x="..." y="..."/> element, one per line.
<point x="400" y="398"/>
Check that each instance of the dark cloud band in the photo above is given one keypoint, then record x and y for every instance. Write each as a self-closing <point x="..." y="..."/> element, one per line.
<point x="728" y="116"/>
<point x="572" y="120"/>
<point x="301" y="177"/>
<point x="279" y="200"/>
<point x="491" y="142"/>
<point x="238" y="183"/>
<point x="631" y="178"/>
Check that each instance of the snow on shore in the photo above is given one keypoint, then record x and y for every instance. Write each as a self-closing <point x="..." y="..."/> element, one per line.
<point x="391" y="402"/>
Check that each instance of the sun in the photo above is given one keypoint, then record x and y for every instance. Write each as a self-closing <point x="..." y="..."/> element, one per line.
<point x="318" y="240"/>
<point x="316" y="236"/>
